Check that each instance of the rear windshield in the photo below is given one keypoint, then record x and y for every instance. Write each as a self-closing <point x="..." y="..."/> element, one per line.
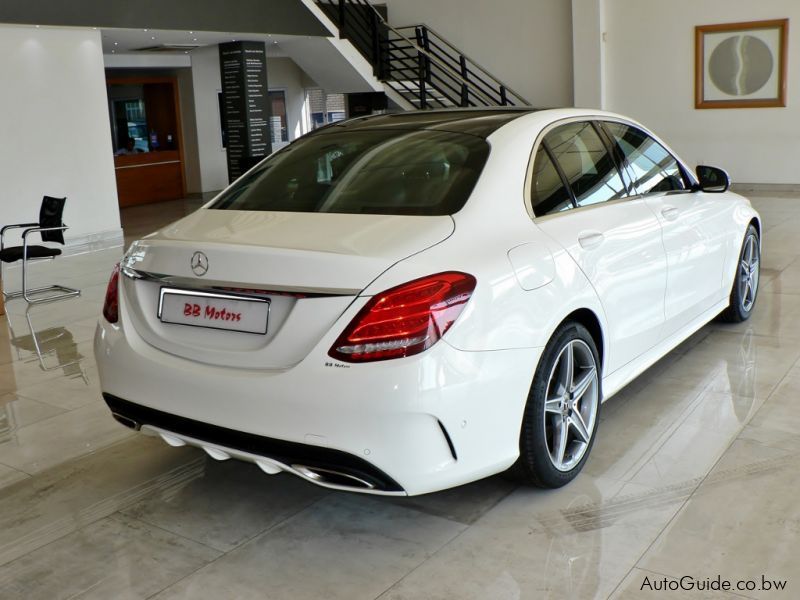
<point x="380" y="172"/>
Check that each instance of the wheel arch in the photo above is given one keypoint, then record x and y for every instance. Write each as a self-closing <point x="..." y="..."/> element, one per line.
<point x="589" y="319"/>
<point x="756" y="222"/>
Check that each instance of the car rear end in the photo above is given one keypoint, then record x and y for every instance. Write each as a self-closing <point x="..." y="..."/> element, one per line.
<point x="242" y="328"/>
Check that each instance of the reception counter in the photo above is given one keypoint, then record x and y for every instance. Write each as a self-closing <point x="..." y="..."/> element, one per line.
<point x="149" y="177"/>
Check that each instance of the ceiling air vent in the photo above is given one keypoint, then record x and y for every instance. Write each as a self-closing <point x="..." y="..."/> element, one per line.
<point x="167" y="48"/>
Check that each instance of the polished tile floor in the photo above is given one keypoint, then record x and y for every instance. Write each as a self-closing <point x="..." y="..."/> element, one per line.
<point x="696" y="472"/>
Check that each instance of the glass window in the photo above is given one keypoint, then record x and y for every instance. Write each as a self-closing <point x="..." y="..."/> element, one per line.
<point x="653" y="168"/>
<point x="277" y="118"/>
<point x="548" y="193"/>
<point x="586" y="162"/>
<point x="324" y="108"/>
<point x="371" y="172"/>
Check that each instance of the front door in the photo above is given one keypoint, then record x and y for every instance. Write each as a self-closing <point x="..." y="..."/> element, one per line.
<point x="694" y="230"/>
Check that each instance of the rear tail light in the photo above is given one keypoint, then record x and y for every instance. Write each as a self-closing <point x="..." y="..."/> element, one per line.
<point x="405" y="320"/>
<point x="111" y="304"/>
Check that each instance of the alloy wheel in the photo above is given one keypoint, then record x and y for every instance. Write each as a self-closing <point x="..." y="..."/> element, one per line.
<point x="570" y="406"/>
<point x="749" y="273"/>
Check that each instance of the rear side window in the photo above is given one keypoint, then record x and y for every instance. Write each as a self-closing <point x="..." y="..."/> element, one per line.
<point x="548" y="193"/>
<point x="418" y="172"/>
<point x="586" y="162"/>
<point x="653" y="168"/>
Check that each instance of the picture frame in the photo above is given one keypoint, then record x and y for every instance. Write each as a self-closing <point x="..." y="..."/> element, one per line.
<point x="741" y="65"/>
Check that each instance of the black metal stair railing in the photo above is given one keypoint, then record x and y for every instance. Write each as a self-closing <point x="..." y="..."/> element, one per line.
<point x="417" y="62"/>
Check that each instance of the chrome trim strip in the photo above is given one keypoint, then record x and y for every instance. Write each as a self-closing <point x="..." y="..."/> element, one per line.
<point x="189" y="282"/>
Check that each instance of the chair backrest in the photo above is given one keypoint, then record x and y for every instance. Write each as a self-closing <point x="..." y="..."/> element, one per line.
<point x="50" y="215"/>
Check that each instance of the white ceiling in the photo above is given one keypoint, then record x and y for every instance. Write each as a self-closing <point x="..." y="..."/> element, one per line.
<point x="126" y="41"/>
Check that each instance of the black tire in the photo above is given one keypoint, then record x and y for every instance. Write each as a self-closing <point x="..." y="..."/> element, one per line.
<point x="742" y="302"/>
<point x="535" y="465"/>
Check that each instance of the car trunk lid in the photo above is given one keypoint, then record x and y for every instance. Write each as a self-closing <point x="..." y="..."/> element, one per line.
<point x="310" y="266"/>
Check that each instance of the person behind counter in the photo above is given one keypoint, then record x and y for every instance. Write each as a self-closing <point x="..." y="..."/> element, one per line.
<point x="128" y="148"/>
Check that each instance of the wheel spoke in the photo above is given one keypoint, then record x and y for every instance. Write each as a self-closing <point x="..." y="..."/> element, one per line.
<point x="560" y="443"/>
<point x="586" y="379"/>
<point x="554" y="405"/>
<point x="580" y="426"/>
<point x="749" y="250"/>
<point x="568" y="367"/>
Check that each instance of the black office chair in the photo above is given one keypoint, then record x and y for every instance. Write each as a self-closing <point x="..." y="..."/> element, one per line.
<point x="51" y="229"/>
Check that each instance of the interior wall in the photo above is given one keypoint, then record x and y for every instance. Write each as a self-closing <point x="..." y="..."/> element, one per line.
<point x="191" y="158"/>
<point x="650" y="76"/>
<point x="527" y="44"/>
<point x="282" y="73"/>
<point x="588" y="53"/>
<point x="205" y="87"/>
<point x="55" y="130"/>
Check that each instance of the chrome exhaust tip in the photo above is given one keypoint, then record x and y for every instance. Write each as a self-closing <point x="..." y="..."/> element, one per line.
<point x="130" y="423"/>
<point x="331" y="477"/>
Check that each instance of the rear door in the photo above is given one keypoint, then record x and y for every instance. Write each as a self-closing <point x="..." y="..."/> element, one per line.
<point x="580" y="199"/>
<point x="695" y="233"/>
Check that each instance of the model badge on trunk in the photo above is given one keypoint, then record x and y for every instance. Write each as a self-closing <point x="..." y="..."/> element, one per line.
<point x="199" y="264"/>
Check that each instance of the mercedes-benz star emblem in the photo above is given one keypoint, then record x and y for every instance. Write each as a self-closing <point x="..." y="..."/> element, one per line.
<point x="199" y="264"/>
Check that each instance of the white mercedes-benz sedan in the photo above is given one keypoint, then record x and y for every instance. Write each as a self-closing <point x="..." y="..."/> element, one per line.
<point x="402" y="303"/>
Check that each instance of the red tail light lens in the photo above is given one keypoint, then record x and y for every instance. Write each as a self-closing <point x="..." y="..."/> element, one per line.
<point x="111" y="305"/>
<point x="406" y="319"/>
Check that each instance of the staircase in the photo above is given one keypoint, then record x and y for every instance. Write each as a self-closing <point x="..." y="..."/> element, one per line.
<point x="415" y="62"/>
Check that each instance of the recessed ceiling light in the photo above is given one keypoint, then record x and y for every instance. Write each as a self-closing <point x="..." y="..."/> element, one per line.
<point x="152" y="37"/>
<point x="37" y="27"/>
<point x="144" y="29"/>
<point x="191" y="32"/>
<point x="116" y="43"/>
<point x="113" y="52"/>
<point x="194" y="39"/>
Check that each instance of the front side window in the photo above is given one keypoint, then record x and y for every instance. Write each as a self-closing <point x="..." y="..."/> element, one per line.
<point x="586" y="162"/>
<point x="411" y="172"/>
<point x="653" y="168"/>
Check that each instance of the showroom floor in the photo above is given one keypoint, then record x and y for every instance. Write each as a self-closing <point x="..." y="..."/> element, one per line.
<point x="695" y="472"/>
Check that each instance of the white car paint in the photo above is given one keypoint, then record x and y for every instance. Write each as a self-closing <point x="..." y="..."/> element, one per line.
<point x="647" y="297"/>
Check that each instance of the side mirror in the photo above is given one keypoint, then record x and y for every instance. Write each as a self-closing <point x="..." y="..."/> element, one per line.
<point x="712" y="179"/>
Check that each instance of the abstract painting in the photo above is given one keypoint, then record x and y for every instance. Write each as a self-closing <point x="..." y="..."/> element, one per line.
<point x="741" y="65"/>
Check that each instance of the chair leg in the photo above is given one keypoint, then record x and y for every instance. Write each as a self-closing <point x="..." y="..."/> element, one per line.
<point x="62" y="291"/>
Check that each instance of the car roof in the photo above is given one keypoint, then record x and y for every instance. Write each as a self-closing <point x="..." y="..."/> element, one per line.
<point x="481" y="122"/>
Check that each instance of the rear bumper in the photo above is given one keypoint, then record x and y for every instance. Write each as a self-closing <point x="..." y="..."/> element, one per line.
<point x="323" y="466"/>
<point x="415" y="425"/>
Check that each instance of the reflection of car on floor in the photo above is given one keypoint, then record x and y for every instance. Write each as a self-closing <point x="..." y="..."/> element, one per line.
<point x="403" y="303"/>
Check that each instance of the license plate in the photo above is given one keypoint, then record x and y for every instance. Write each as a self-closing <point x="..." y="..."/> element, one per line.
<point x="213" y="311"/>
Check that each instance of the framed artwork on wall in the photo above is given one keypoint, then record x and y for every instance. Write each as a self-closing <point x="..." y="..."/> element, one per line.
<point x="741" y="65"/>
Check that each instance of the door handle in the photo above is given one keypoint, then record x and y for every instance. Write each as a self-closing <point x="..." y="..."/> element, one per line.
<point x="670" y="213"/>
<point x="590" y="239"/>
